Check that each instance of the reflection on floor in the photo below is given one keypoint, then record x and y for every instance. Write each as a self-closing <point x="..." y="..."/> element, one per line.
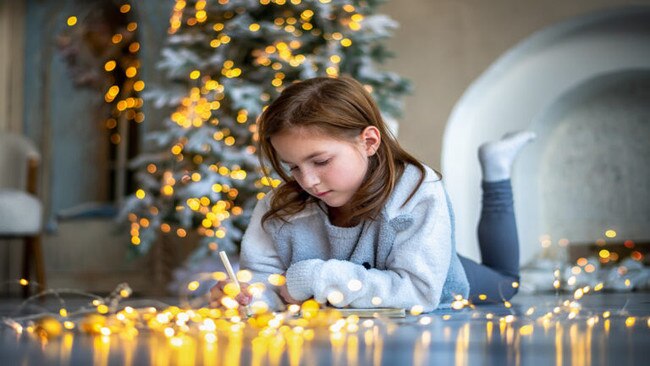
<point x="602" y="328"/>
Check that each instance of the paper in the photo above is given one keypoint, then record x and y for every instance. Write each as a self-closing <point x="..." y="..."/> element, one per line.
<point x="372" y="312"/>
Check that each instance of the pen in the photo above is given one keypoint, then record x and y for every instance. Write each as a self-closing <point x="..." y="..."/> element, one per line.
<point x="231" y="274"/>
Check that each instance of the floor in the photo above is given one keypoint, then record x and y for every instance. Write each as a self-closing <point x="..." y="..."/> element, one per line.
<point x="598" y="329"/>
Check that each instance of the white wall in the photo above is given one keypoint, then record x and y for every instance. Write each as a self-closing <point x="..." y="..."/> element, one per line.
<point x="519" y="91"/>
<point x="444" y="45"/>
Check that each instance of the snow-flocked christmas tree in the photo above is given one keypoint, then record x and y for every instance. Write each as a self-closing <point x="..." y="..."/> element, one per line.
<point x="227" y="60"/>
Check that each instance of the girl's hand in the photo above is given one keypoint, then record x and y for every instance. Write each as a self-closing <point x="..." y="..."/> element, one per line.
<point x="216" y="293"/>
<point x="286" y="297"/>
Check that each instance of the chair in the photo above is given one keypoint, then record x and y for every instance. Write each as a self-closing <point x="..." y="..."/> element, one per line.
<point x="21" y="211"/>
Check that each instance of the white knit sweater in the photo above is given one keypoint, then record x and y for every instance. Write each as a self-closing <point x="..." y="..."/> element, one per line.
<point x="405" y="257"/>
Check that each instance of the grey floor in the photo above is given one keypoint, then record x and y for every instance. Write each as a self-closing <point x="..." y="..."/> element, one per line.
<point x="607" y="329"/>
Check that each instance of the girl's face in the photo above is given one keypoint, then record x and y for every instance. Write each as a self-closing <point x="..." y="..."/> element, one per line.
<point x="329" y="169"/>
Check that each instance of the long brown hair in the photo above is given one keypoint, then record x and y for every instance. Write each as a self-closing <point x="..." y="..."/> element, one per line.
<point x="339" y="108"/>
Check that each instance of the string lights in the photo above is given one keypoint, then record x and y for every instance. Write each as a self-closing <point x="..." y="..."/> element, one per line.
<point x="191" y="326"/>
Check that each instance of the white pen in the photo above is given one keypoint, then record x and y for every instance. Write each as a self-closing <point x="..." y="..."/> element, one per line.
<point x="233" y="277"/>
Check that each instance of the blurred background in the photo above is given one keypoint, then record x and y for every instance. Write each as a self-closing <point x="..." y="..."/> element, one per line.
<point x="120" y="201"/>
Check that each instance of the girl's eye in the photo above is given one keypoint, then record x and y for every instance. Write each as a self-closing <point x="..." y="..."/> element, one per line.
<point x="293" y="168"/>
<point x="323" y="162"/>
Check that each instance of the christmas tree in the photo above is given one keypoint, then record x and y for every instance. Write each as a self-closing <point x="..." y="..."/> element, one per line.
<point x="227" y="60"/>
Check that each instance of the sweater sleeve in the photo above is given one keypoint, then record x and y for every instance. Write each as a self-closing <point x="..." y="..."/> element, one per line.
<point x="258" y="255"/>
<point x="416" y="271"/>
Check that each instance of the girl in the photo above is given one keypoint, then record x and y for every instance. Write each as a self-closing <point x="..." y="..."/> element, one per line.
<point x="360" y="222"/>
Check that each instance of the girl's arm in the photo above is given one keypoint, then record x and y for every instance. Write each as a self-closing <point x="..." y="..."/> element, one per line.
<point x="416" y="267"/>
<point x="259" y="256"/>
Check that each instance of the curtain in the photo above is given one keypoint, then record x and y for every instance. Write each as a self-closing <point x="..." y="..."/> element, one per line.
<point x="12" y="49"/>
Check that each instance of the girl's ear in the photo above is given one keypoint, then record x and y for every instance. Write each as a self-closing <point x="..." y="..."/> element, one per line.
<point x="371" y="139"/>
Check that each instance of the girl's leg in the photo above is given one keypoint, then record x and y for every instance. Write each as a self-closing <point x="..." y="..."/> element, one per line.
<point x="493" y="279"/>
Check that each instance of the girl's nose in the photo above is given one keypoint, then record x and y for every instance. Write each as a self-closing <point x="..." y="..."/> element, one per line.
<point x="310" y="179"/>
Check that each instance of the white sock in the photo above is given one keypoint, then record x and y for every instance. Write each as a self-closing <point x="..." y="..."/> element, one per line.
<point x="496" y="157"/>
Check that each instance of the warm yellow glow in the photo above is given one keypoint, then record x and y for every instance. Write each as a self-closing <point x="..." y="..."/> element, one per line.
<point x="195" y="74"/>
<point x="526" y="330"/>
<point x="610" y="233"/>
<point x="578" y="294"/>
<point x="23" y="282"/>
<point x="254" y="27"/>
<point x="417" y="310"/>
<point x="193" y="286"/>
<point x="72" y="21"/>
<point x="219" y="276"/>
<point x="277" y="279"/>
<point x="102" y="309"/>
<point x="132" y="26"/>
<point x="310" y="309"/>
<point x="140" y="193"/>
<point x="335" y="297"/>
<point x="125" y="8"/>
<point x="110" y="65"/>
<point x="346" y="42"/>
<point x="244" y="276"/>
<point x="482" y="297"/>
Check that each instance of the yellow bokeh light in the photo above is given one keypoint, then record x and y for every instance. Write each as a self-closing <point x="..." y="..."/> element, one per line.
<point x="110" y="65"/>
<point x="138" y="85"/>
<point x="231" y="289"/>
<point x="195" y="74"/>
<point x="417" y="310"/>
<point x="219" y="276"/>
<point x="125" y="8"/>
<point x="310" y="309"/>
<point x="131" y="72"/>
<point x="193" y="286"/>
<point x="72" y="21"/>
<point x="610" y="233"/>
<point x="140" y="193"/>
<point x="244" y="276"/>
<point x="277" y="279"/>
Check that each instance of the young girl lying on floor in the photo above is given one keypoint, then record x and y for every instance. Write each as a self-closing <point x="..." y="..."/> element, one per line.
<point x="359" y="221"/>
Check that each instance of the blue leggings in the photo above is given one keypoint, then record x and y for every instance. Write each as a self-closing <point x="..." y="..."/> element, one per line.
<point x="499" y="245"/>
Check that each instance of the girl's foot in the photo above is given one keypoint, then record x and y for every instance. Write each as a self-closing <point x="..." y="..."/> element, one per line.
<point x="496" y="157"/>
